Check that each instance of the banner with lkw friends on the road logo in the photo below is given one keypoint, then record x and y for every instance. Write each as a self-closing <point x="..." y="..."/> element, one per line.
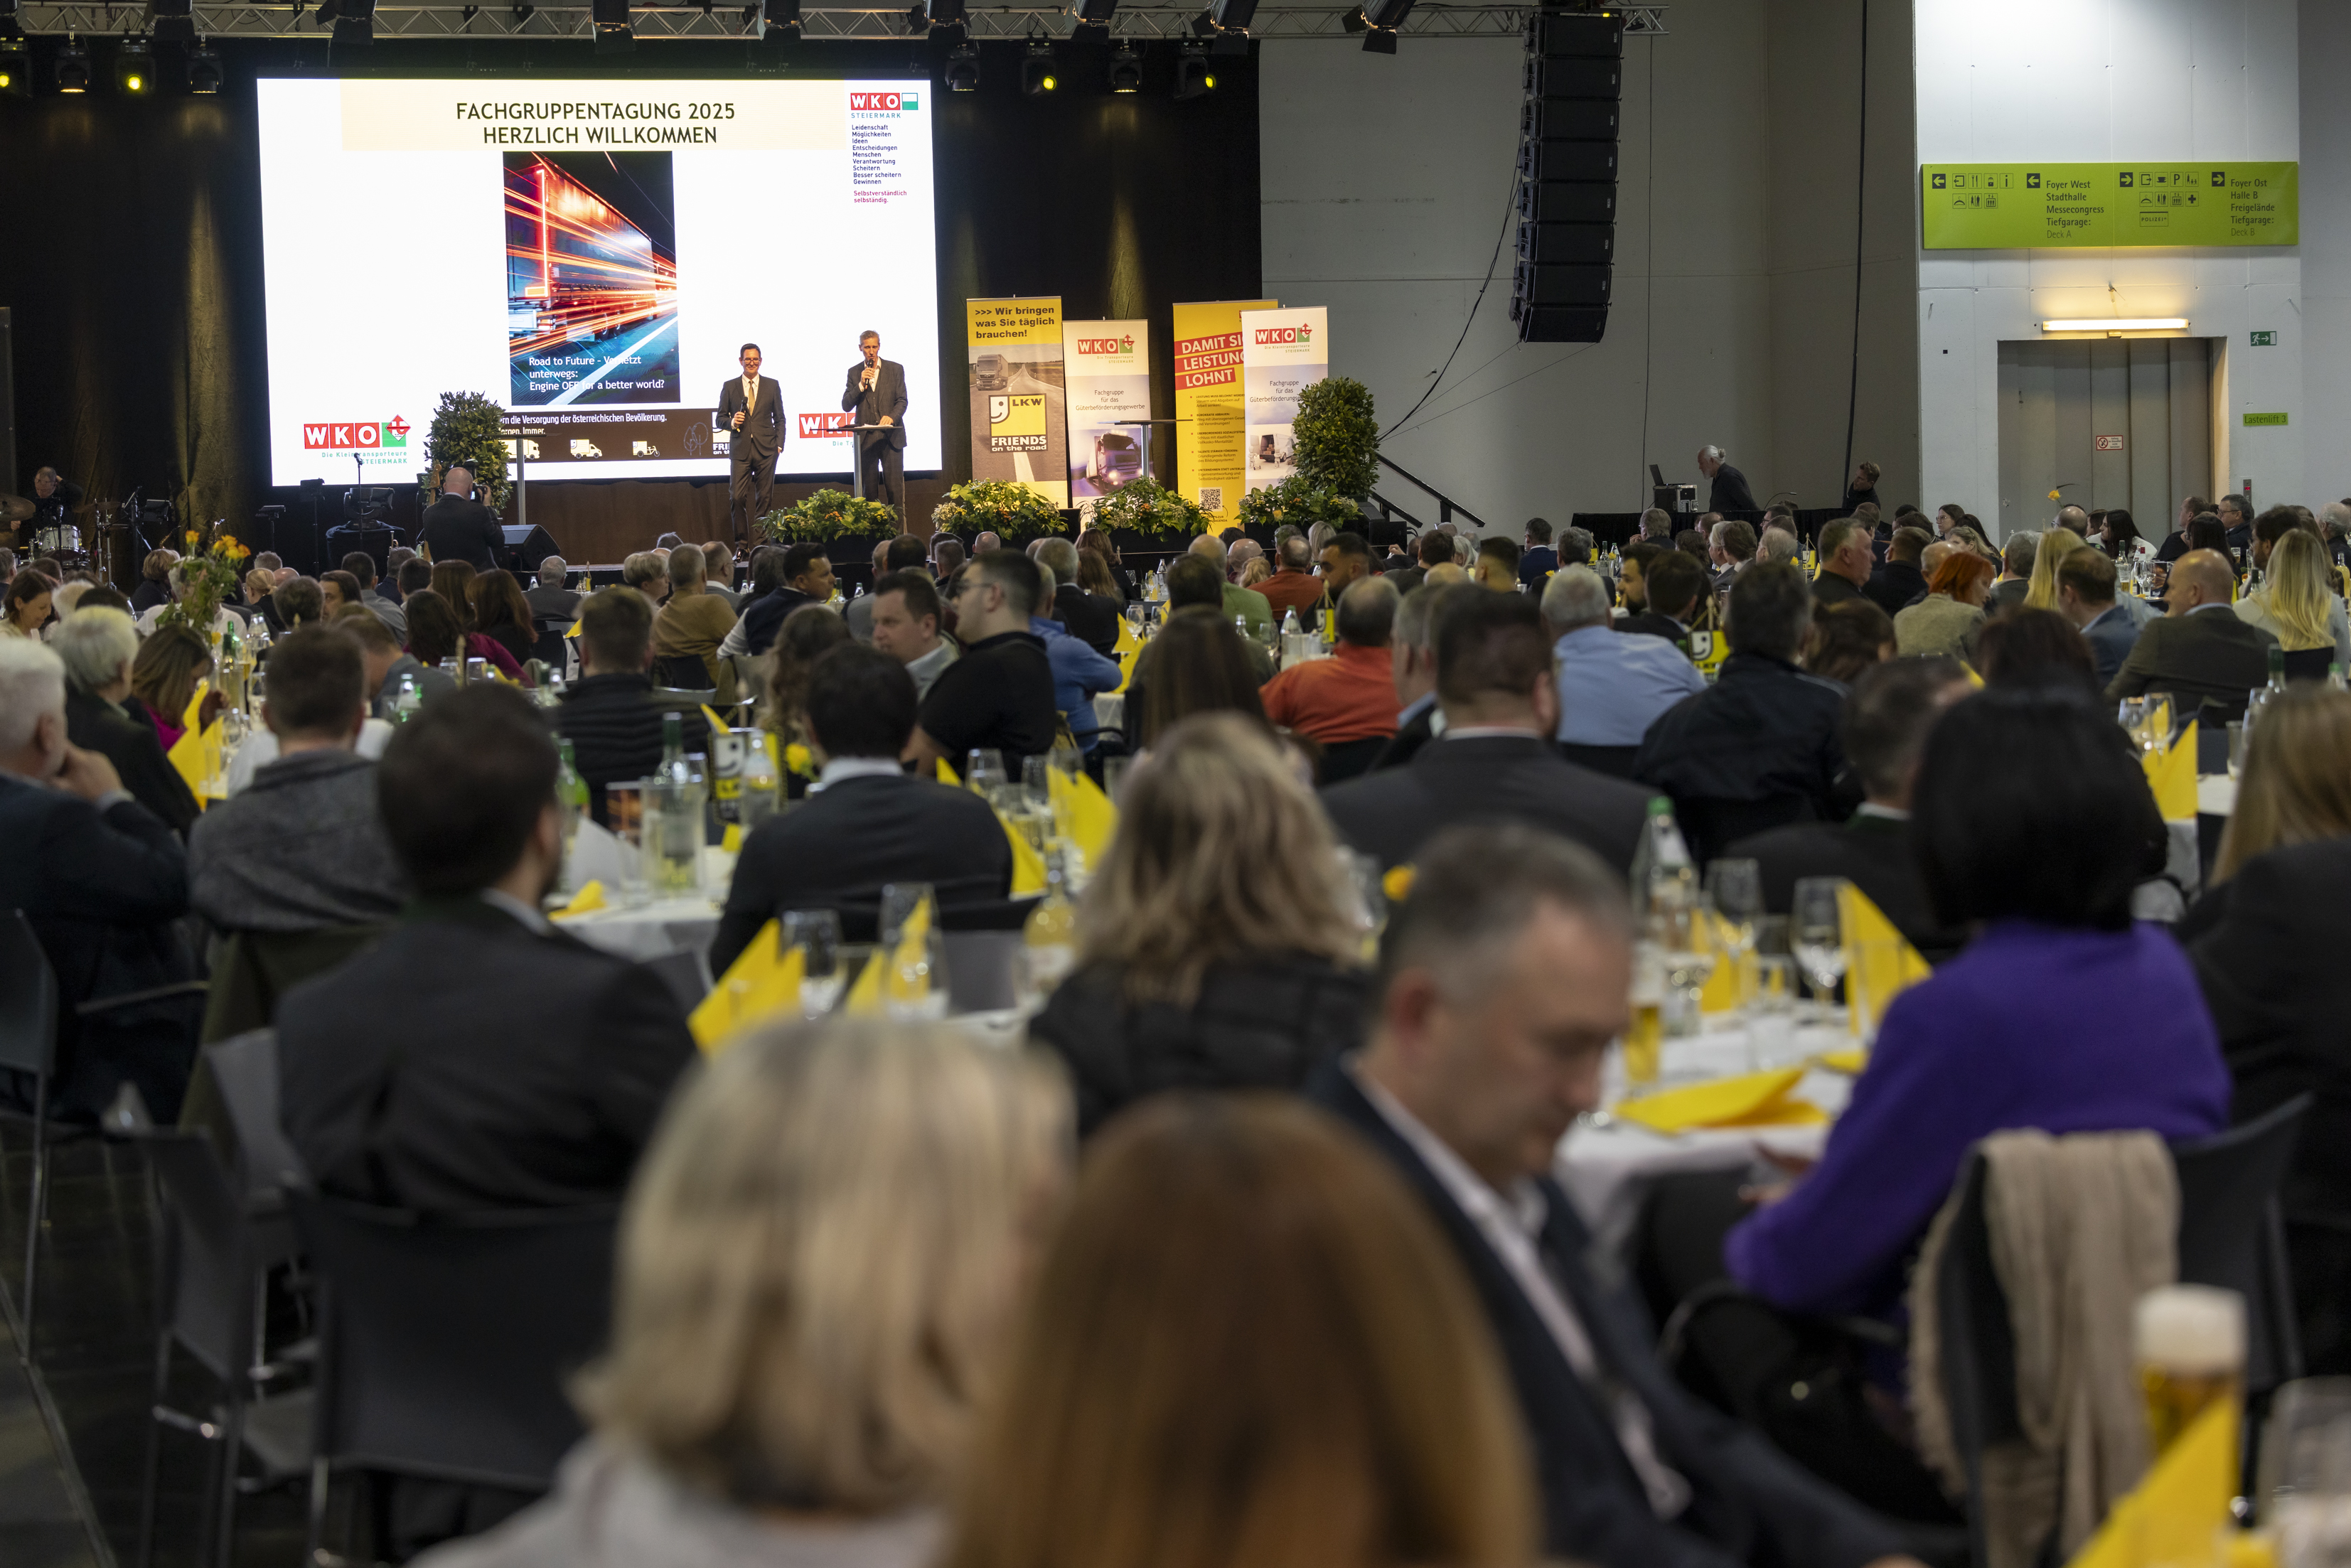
<point x="1283" y="352"/>
<point x="1019" y="393"/>
<point x="1109" y="369"/>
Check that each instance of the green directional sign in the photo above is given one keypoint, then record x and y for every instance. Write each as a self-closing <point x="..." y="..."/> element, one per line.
<point x="2015" y="206"/>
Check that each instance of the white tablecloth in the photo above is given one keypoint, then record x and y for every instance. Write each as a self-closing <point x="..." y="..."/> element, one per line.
<point x="2216" y="794"/>
<point x="662" y="928"/>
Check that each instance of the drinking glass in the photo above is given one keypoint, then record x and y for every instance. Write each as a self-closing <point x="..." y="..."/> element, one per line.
<point x="1367" y="898"/>
<point x="1685" y="937"/>
<point x="899" y="901"/>
<point x="671" y="845"/>
<point x="624" y="809"/>
<point x="2191" y="1344"/>
<point x="982" y="772"/>
<point x="2159" y="720"/>
<point x="2132" y="715"/>
<point x="1114" y="777"/>
<point x="2236" y="748"/>
<point x="817" y="933"/>
<point x="1645" y="1037"/>
<point x="1134" y="620"/>
<point x="1772" y="1014"/>
<point x="1035" y="778"/>
<point x="2305" y="1486"/>
<point x="1816" y="932"/>
<point x="1736" y="888"/>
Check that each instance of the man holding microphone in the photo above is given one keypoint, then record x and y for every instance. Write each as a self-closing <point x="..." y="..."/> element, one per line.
<point x="751" y="407"/>
<point x="876" y="394"/>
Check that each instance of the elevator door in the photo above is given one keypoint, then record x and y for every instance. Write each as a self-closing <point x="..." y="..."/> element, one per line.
<point x="2118" y="421"/>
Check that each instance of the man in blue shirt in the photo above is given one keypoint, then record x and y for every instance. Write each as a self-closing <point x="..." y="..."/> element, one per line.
<point x="1078" y="672"/>
<point x="1612" y="687"/>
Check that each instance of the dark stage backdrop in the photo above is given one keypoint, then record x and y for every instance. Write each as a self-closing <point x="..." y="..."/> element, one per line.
<point x="133" y="258"/>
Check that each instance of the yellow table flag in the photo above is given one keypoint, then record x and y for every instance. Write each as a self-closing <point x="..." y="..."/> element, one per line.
<point x="947" y="775"/>
<point x="197" y="753"/>
<point x="869" y="996"/>
<point x="2172" y="774"/>
<point x="865" y="996"/>
<point x="1879" y="962"/>
<point x="1723" y="987"/>
<point x="1084" y="812"/>
<point x="1028" y="866"/>
<point x="2177" y="1512"/>
<point x="1750" y="1099"/>
<point x="761" y="983"/>
<point x="587" y="901"/>
<point x="1129" y="645"/>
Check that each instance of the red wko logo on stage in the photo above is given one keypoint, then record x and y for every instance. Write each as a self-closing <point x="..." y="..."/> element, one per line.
<point x="1299" y="334"/>
<point x="360" y="436"/>
<point x="816" y="426"/>
<point x="1119" y="345"/>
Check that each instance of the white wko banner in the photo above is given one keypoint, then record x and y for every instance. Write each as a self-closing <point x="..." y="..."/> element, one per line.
<point x="1283" y="352"/>
<point x="1108" y="366"/>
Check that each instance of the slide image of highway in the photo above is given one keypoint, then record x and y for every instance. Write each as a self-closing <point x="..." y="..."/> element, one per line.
<point x="1016" y="411"/>
<point x="591" y="278"/>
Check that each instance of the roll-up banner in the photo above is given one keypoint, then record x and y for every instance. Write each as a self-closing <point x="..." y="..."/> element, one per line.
<point x="1283" y="352"/>
<point x="1109" y="369"/>
<point x="1209" y="402"/>
<point x="1018" y="428"/>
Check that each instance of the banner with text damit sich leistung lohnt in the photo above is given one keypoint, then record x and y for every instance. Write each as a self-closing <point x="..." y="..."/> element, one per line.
<point x="1209" y="402"/>
<point x="1283" y="352"/>
<point x="1109" y="365"/>
<point x="1019" y="393"/>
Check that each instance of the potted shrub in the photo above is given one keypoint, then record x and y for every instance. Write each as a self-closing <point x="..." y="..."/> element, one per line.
<point x="1149" y="515"/>
<point x="830" y="514"/>
<point x="1011" y="510"/>
<point x="469" y="428"/>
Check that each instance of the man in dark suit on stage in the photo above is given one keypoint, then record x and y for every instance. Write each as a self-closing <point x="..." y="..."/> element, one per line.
<point x="458" y="527"/>
<point x="1730" y="492"/>
<point x="1502" y="980"/>
<point x="751" y="408"/>
<point x="876" y="393"/>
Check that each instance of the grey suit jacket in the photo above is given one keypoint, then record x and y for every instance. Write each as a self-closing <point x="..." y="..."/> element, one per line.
<point x="762" y="435"/>
<point x="888" y="396"/>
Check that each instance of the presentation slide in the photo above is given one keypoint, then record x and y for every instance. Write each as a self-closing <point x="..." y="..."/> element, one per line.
<point x="592" y="256"/>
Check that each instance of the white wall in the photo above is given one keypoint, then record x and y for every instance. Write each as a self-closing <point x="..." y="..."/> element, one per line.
<point x="2325" y="251"/>
<point x="2096" y="81"/>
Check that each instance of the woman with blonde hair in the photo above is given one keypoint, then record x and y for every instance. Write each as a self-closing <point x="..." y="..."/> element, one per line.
<point x="2296" y="604"/>
<point x="2297" y="784"/>
<point x="819" y="1269"/>
<point x="1248" y="1347"/>
<point x="1220" y="947"/>
<point x="2055" y="545"/>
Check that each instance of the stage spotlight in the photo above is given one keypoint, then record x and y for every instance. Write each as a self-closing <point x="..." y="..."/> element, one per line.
<point x="1194" y="77"/>
<point x="70" y="68"/>
<point x="1094" y="12"/>
<point x="613" y="34"/>
<point x="1125" y="69"/>
<point x="1226" y="23"/>
<point x="134" y="67"/>
<point x="205" y="72"/>
<point x="170" y="21"/>
<point x="963" y="69"/>
<point x="1037" y="75"/>
<point x="943" y="13"/>
<point x="16" y="69"/>
<point x="1378" y="20"/>
<point x="776" y="21"/>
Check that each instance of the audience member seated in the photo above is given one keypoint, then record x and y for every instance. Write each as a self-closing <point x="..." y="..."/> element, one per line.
<point x="1218" y="947"/>
<point x="1946" y="621"/>
<point x="1412" y="649"/>
<point x="1848" y="641"/>
<point x="300" y="603"/>
<point x="1846" y="562"/>
<point x="820" y="1262"/>
<point x="1900" y="581"/>
<point x="1344" y="704"/>
<point x="102" y="881"/>
<point x="609" y="713"/>
<point x="2296" y="602"/>
<point x="647" y="571"/>
<point x="1091" y="616"/>
<point x="2015" y="572"/>
<point x="1497" y="564"/>
<point x="304" y="847"/>
<point x="1886" y="720"/>
<point x="2033" y="822"/>
<point x="155" y="581"/>
<point x="338" y="588"/>
<point x="547" y="597"/>
<point x="2085" y="598"/>
<point x="2050" y="552"/>
<point x="999" y="695"/>
<point x="905" y="625"/>
<point x="1758" y="749"/>
<point x="1432" y="549"/>
<point x="1346" y="560"/>
<point x="807" y="579"/>
<point x="502" y="614"/>
<point x="387" y="664"/>
<point x="1495" y="759"/>
<point x="901" y="552"/>
<point x="690" y="628"/>
<point x="1502" y="980"/>
<point x="1208" y="1379"/>
<point x="1080" y="670"/>
<point x="1671" y="587"/>
<point x="495" y="1063"/>
<point x="1611" y="688"/>
<point x="171" y="663"/>
<point x="1245" y="603"/>
<point x="438" y="621"/>
<point x="2039" y="648"/>
<point x="808" y="634"/>
<point x="2280" y="880"/>
<point x="1197" y="664"/>
<point x="2202" y="655"/>
<point x="866" y="824"/>
<point x="98" y="646"/>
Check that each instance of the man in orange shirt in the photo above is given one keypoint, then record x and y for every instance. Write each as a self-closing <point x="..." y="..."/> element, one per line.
<point x="1346" y="703"/>
<point x="1293" y="585"/>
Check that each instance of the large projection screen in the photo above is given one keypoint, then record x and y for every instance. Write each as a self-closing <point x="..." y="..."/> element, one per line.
<point x="592" y="255"/>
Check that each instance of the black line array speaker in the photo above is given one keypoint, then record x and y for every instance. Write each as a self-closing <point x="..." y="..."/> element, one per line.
<point x="1567" y="168"/>
<point x="8" y="477"/>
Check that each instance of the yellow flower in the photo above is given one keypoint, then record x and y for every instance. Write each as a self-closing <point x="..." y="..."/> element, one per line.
<point x="2055" y="496"/>
<point x="192" y="535"/>
<point x="1397" y="883"/>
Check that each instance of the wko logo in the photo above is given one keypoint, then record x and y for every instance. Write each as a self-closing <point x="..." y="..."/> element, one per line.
<point x="1299" y="334"/>
<point x="350" y="437"/>
<point x="1124" y="344"/>
<point x="883" y="102"/>
<point x="816" y="426"/>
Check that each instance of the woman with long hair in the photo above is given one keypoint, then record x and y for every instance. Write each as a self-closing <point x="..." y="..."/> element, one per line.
<point x="1847" y="639"/>
<point x="1221" y="947"/>
<point x="807" y="634"/>
<point x="502" y="614"/>
<point x="2037" y="648"/>
<point x="1095" y="576"/>
<point x="1198" y="664"/>
<point x="165" y="676"/>
<point x="2055" y="545"/>
<point x="2295" y="786"/>
<point x="447" y="633"/>
<point x="1945" y="621"/>
<point x="454" y="582"/>
<point x="1248" y="1347"/>
<point x="820" y="1268"/>
<point x="2118" y="536"/>
<point x="1098" y="541"/>
<point x="2296" y="604"/>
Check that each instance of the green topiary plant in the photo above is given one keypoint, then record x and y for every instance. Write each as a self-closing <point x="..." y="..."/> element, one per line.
<point x="469" y="428"/>
<point x="830" y="514"/>
<point x="1146" y="506"/>
<point x="1296" y="501"/>
<point x="1337" y="437"/>
<point x="1011" y="510"/>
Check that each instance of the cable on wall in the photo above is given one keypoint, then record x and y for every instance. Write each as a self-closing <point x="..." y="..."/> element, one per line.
<point x="1860" y="195"/>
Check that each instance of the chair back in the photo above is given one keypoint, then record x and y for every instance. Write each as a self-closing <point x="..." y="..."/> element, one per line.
<point x="245" y="1070"/>
<point x="1347" y="760"/>
<point x="2232" y="1233"/>
<point x="206" y="1253"/>
<point x="444" y="1343"/>
<point x="1977" y="1342"/>
<point x="28" y="999"/>
<point x="681" y="672"/>
<point x="546" y="644"/>
<point x="1711" y="825"/>
<point x="980" y="976"/>
<point x="1616" y="761"/>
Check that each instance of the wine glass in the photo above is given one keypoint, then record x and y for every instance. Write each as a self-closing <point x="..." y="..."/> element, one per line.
<point x="1134" y="620"/>
<point x="1736" y="888"/>
<point x="2158" y="721"/>
<point x="1816" y="932"/>
<point x="982" y="772"/>
<point x="817" y="933"/>
<point x="2132" y="715"/>
<point x="899" y="901"/>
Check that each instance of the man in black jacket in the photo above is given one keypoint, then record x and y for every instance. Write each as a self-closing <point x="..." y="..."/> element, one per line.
<point x="609" y="713"/>
<point x="1730" y="492"/>
<point x="874" y="393"/>
<point x="497" y="1064"/>
<point x="1502" y="980"/>
<point x="2202" y="652"/>
<point x="1495" y="760"/>
<point x="866" y="824"/>
<point x="1090" y="618"/>
<point x="103" y="882"/>
<point x="1759" y="749"/>
<point x="807" y="579"/>
<point x="98" y="645"/>
<point x="751" y="410"/>
<point x="458" y="527"/>
<point x="1412" y="647"/>
<point x="1897" y="582"/>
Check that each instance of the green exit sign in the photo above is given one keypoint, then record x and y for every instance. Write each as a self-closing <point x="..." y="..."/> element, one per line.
<point x="2265" y="340"/>
<point x="2264" y="419"/>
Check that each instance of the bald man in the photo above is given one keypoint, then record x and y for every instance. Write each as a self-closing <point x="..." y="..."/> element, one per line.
<point x="1246" y="603"/>
<point x="2200" y="652"/>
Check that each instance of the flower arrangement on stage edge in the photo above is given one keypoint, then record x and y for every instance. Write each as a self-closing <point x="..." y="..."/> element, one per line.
<point x="469" y="428"/>
<point x="830" y="514"/>
<point x="207" y="576"/>
<point x="1300" y="504"/>
<point x="1146" y="506"/>
<point x="1006" y="507"/>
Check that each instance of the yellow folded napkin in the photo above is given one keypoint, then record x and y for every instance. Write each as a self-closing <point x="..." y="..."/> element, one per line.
<point x="1722" y="990"/>
<point x="590" y="896"/>
<point x="2172" y="774"/>
<point x="2176" y="1513"/>
<point x="759" y="984"/>
<point x="1028" y="866"/>
<point x="1879" y="962"/>
<point x="1750" y="1099"/>
<point x="1849" y="1063"/>
<point x="1082" y="814"/>
<point x="197" y="753"/>
<point x="1129" y="645"/>
<point x="732" y="839"/>
<point x="947" y="775"/>
<point x="876" y="983"/>
<point x="865" y="996"/>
